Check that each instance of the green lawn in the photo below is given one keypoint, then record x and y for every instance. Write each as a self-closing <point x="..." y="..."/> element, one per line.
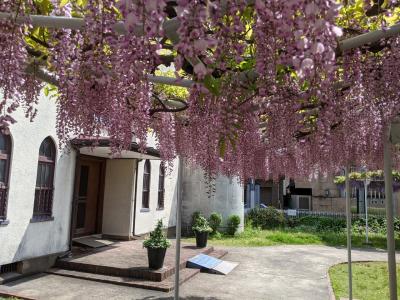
<point x="370" y="280"/>
<point x="293" y="236"/>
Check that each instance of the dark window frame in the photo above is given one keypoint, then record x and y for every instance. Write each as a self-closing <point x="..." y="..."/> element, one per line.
<point x="146" y="185"/>
<point x="44" y="187"/>
<point x="5" y="154"/>
<point x="161" y="187"/>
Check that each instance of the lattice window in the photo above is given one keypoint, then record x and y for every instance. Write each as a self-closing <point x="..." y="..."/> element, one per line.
<point x="146" y="184"/>
<point x="161" y="187"/>
<point x="5" y="159"/>
<point x="43" y="205"/>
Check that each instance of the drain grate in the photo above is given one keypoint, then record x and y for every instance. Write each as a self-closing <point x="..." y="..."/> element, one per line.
<point x="8" y="268"/>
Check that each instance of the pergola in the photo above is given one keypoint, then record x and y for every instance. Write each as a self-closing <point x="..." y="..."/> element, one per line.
<point x="170" y="28"/>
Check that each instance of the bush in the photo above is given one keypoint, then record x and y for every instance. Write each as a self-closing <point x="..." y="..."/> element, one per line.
<point x="157" y="238"/>
<point x="233" y="224"/>
<point x="293" y="222"/>
<point x="201" y="225"/>
<point x="266" y="218"/>
<point x="375" y="225"/>
<point x="195" y="216"/>
<point x="215" y="221"/>
<point x="323" y="223"/>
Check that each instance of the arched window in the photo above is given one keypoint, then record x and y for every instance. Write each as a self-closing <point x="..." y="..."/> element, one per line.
<point x="161" y="189"/>
<point x="146" y="184"/>
<point x="5" y="159"/>
<point x="43" y="205"/>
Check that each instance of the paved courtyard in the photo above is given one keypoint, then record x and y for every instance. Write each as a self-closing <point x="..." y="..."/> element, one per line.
<point x="280" y="272"/>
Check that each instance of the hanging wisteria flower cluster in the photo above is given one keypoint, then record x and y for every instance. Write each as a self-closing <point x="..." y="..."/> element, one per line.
<point x="17" y="88"/>
<point x="271" y="96"/>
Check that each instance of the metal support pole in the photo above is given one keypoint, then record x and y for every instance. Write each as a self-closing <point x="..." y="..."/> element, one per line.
<point x="387" y="159"/>
<point x="348" y="218"/>
<point x="170" y="27"/>
<point x="366" y="209"/>
<point x="178" y="229"/>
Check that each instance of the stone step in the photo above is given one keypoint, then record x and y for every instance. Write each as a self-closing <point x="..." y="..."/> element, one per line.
<point x="122" y="264"/>
<point x="10" y="276"/>
<point x="163" y="286"/>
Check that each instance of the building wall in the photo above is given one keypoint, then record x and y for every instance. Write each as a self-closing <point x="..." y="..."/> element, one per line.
<point x="320" y="186"/>
<point x="146" y="219"/>
<point x="336" y="201"/>
<point x="21" y="239"/>
<point x="227" y="199"/>
<point x="119" y="197"/>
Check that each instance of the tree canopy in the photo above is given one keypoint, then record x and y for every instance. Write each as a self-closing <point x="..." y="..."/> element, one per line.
<point x="274" y="92"/>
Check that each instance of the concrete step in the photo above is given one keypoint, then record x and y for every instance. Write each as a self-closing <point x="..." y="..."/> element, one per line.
<point x="10" y="276"/>
<point x="163" y="286"/>
<point x="124" y="264"/>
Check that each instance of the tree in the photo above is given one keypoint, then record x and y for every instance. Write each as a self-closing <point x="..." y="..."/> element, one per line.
<point x="273" y="92"/>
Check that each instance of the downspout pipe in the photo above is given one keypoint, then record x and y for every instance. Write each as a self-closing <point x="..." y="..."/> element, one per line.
<point x="135" y="197"/>
<point x="74" y="199"/>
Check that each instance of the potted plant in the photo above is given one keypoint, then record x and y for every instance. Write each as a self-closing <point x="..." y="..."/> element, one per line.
<point x="156" y="245"/>
<point x="201" y="229"/>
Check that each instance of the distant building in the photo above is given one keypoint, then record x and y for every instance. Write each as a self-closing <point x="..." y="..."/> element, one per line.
<point x="320" y="194"/>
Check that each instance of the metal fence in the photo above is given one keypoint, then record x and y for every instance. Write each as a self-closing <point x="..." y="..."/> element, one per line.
<point x="298" y="213"/>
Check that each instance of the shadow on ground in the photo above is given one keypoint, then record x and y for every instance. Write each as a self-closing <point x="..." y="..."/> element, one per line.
<point x="181" y="298"/>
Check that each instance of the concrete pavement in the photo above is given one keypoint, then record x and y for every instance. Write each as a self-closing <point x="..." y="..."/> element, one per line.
<point x="278" y="272"/>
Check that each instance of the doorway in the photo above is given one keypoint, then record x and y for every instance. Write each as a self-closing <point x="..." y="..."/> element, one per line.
<point x="88" y="196"/>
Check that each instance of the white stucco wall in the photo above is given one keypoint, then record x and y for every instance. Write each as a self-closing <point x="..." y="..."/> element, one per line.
<point x="147" y="218"/>
<point x="227" y="199"/>
<point x="119" y="197"/>
<point x="21" y="239"/>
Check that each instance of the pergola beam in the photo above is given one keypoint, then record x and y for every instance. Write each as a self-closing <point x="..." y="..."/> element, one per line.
<point x="52" y="79"/>
<point x="368" y="38"/>
<point x="170" y="29"/>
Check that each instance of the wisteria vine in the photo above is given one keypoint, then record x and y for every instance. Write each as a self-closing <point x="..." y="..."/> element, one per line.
<point x="273" y="95"/>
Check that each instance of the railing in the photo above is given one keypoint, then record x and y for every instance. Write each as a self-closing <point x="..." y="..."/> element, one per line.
<point x="298" y="213"/>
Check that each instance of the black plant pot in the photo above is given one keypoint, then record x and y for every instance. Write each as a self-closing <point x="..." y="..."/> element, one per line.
<point x="156" y="257"/>
<point x="201" y="239"/>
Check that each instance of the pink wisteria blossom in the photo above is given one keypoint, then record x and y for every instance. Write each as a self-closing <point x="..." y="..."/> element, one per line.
<point x="271" y="97"/>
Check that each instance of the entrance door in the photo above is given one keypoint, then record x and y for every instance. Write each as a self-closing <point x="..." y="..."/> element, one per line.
<point x="87" y="197"/>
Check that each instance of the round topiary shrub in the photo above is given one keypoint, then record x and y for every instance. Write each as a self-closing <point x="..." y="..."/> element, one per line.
<point x="215" y="221"/>
<point x="233" y="224"/>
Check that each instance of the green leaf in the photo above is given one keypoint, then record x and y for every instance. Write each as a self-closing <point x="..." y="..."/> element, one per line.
<point x="212" y="84"/>
<point x="46" y="91"/>
<point x="64" y="2"/>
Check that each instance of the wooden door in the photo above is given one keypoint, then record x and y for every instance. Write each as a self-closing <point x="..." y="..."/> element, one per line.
<point x="87" y="197"/>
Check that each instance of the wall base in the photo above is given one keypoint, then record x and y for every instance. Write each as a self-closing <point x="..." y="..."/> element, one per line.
<point x="30" y="266"/>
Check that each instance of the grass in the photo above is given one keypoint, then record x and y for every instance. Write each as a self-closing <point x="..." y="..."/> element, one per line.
<point x="294" y="236"/>
<point x="370" y="280"/>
